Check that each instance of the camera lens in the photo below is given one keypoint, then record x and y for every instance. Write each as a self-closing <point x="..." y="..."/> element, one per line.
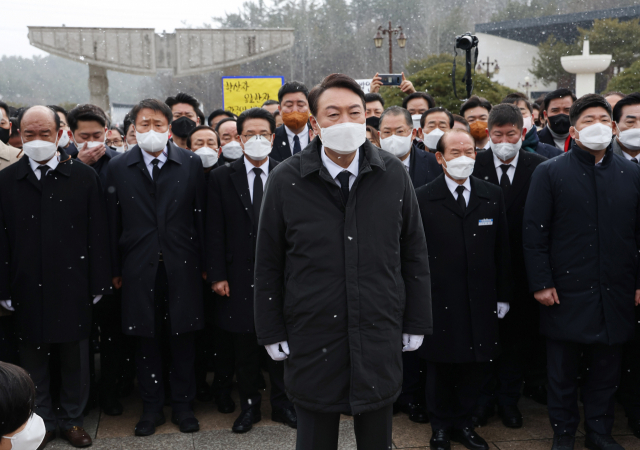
<point x="465" y="42"/>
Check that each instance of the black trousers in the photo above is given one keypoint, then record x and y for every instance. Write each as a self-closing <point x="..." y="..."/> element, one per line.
<point x="74" y="375"/>
<point x="414" y="378"/>
<point x="149" y="358"/>
<point x="319" y="431"/>
<point x="452" y="393"/>
<point x="503" y="378"/>
<point x="247" y="356"/>
<point x="205" y="339"/>
<point x="629" y="392"/>
<point x="602" y="379"/>
<point x="8" y="341"/>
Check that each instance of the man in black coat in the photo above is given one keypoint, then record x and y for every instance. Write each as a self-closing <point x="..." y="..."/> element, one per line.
<point x="55" y="258"/>
<point x="581" y="241"/>
<point x="230" y="147"/>
<point x="510" y="167"/>
<point x="233" y="209"/>
<point x="156" y="203"/>
<point x="293" y="135"/>
<point x="556" y="112"/>
<point x="466" y="227"/>
<point x="342" y="276"/>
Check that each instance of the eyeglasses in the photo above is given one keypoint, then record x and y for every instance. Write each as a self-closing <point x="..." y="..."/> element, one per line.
<point x="266" y="136"/>
<point x="117" y="142"/>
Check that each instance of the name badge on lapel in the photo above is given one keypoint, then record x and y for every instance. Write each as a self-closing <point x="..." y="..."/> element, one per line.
<point x="485" y="222"/>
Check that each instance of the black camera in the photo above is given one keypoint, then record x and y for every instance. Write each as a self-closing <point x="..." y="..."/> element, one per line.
<point x="467" y="41"/>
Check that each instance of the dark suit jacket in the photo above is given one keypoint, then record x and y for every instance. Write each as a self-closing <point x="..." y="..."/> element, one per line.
<point x="147" y="217"/>
<point x="546" y="138"/>
<point x="230" y="244"/>
<point x="523" y="318"/>
<point x="281" y="148"/>
<point x="423" y="167"/>
<point x="469" y="261"/>
<point x="101" y="165"/>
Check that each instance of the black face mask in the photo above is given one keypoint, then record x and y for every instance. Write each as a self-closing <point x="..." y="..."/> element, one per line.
<point x="560" y="123"/>
<point x="182" y="127"/>
<point x="4" y="135"/>
<point x="374" y="122"/>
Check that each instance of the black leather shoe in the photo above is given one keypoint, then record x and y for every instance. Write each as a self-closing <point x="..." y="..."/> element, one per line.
<point x="110" y="405"/>
<point x="563" y="442"/>
<point x="148" y="423"/>
<point x="203" y="393"/>
<point x="225" y="403"/>
<point x="481" y="415"/>
<point x="440" y="440"/>
<point x="470" y="439"/>
<point x="287" y="416"/>
<point x="246" y="420"/>
<point x="634" y="424"/>
<point x="595" y="441"/>
<point x="416" y="411"/>
<point x="186" y="421"/>
<point x="511" y="416"/>
<point x="537" y="393"/>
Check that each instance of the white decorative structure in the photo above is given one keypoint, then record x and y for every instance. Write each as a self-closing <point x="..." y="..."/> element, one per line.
<point x="140" y="51"/>
<point x="585" y="67"/>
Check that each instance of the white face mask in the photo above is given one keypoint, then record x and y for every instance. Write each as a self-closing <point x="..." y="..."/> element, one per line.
<point x="119" y="149"/>
<point x="64" y="139"/>
<point x="31" y="436"/>
<point x="344" y="138"/>
<point x="40" y="150"/>
<point x="630" y="138"/>
<point x="431" y="140"/>
<point x="527" y="123"/>
<point x="595" y="137"/>
<point x="257" y="147"/>
<point x="460" y="168"/>
<point x="232" y="150"/>
<point x="416" y="121"/>
<point x="396" y="145"/>
<point x="152" y="141"/>
<point x="209" y="156"/>
<point x="504" y="151"/>
<point x="90" y="144"/>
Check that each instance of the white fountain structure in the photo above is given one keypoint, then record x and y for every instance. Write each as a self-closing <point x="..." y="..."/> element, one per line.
<point x="585" y="67"/>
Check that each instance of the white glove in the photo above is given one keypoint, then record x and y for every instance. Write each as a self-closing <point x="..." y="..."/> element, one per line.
<point x="96" y="298"/>
<point x="6" y="304"/>
<point x="503" y="309"/>
<point x="275" y="353"/>
<point x="411" y="342"/>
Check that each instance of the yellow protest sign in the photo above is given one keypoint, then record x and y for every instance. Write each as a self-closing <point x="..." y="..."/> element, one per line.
<point x="242" y="93"/>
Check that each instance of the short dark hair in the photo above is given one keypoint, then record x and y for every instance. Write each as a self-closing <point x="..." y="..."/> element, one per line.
<point x="458" y="118"/>
<point x="397" y="111"/>
<point x="431" y="103"/>
<point x="517" y="97"/>
<point x="475" y="102"/>
<point x="58" y="109"/>
<point x="440" y="146"/>
<point x="558" y="93"/>
<point x="627" y="100"/>
<point x="126" y="123"/>
<point x="373" y="97"/>
<point x="585" y="102"/>
<point x="202" y="127"/>
<point x="228" y="119"/>
<point x="335" y="80"/>
<point x="23" y="111"/>
<point x="271" y="102"/>
<point x="116" y="128"/>
<point x="423" y="119"/>
<point x="505" y="114"/>
<point x="185" y="98"/>
<point x="290" y="87"/>
<point x="18" y="396"/>
<point x="4" y="106"/>
<point x="256" y="113"/>
<point x="220" y="112"/>
<point x="154" y="105"/>
<point x="86" y="113"/>
<point x="535" y="106"/>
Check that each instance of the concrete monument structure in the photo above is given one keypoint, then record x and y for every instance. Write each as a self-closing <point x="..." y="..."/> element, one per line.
<point x="585" y="67"/>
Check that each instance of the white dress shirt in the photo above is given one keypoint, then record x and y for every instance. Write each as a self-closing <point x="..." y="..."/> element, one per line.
<point x="628" y="157"/>
<point x="53" y="163"/>
<point x="251" y="175"/>
<point x="162" y="157"/>
<point x="407" y="162"/>
<point x="334" y="169"/>
<point x="452" y="185"/>
<point x="303" y="137"/>
<point x="512" y="167"/>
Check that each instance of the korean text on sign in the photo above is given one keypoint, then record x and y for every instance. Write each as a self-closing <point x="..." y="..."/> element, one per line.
<point x="242" y="93"/>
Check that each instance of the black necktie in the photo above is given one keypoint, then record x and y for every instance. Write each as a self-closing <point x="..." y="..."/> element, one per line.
<point x="296" y="145"/>
<point x="257" y="197"/>
<point x="505" y="183"/>
<point x="343" y="178"/>
<point x="156" y="169"/>
<point x="633" y="160"/>
<point x="43" y="171"/>
<point x="461" y="201"/>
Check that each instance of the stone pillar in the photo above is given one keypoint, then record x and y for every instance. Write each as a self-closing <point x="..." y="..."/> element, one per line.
<point x="99" y="87"/>
<point x="231" y="71"/>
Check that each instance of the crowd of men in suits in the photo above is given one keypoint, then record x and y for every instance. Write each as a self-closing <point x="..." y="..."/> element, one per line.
<point x="459" y="263"/>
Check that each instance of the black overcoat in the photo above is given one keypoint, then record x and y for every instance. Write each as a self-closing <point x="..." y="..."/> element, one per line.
<point x="582" y="236"/>
<point x="469" y="260"/>
<point x="281" y="148"/>
<point x="54" y="249"/>
<point x="146" y="218"/>
<point x="341" y="284"/>
<point x="522" y="321"/>
<point x="423" y="167"/>
<point x="231" y="245"/>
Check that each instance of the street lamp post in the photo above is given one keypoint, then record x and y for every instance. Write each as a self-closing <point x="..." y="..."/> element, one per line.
<point x="488" y="65"/>
<point x="526" y="85"/>
<point x="379" y="37"/>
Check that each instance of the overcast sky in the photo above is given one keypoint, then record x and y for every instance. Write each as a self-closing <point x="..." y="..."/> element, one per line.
<point x="16" y="15"/>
